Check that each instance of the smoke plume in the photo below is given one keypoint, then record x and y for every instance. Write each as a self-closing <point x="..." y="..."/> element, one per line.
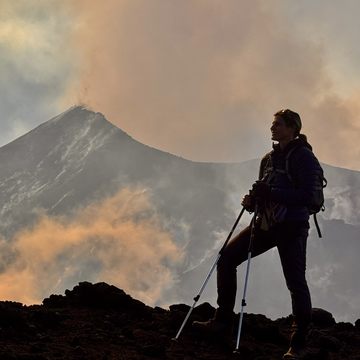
<point x="210" y="74"/>
<point x="119" y="240"/>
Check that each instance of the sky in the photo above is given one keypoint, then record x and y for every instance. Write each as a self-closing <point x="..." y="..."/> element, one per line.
<point x="197" y="78"/>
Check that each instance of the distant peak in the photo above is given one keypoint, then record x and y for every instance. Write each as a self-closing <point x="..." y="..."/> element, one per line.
<point x="77" y="108"/>
<point x="77" y="113"/>
<point x="82" y="115"/>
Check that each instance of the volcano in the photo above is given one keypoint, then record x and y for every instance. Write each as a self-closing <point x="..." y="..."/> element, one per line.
<point x="79" y="157"/>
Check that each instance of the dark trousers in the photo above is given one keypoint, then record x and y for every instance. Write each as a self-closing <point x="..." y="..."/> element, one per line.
<point x="290" y="239"/>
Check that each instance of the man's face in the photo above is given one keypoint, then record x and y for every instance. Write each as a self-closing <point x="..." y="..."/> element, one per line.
<point x="280" y="131"/>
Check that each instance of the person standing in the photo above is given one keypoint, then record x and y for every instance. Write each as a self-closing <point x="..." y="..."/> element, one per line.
<point x="283" y="221"/>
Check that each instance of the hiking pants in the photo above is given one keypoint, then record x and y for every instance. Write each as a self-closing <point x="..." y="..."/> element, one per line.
<point x="290" y="239"/>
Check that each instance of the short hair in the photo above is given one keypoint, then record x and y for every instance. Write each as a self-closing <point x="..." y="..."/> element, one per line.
<point x="291" y="119"/>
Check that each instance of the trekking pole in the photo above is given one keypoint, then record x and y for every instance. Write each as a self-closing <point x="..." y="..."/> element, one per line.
<point x="243" y="302"/>
<point x="197" y="297"/>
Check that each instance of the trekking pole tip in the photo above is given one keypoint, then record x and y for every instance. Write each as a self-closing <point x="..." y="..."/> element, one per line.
<point x="174" y="339"/>
<point x="175" y="344"/>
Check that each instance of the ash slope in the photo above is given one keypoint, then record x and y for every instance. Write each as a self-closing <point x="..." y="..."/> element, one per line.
<point x="79" y="157"/>
<point x="99" y="321"/>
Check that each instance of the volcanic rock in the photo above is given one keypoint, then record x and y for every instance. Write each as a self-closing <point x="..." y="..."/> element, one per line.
<point x="322" y="318"/>
<point x="100" y="321"/>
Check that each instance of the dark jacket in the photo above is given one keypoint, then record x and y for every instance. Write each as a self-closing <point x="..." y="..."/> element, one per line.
<point x="305" y="172"/>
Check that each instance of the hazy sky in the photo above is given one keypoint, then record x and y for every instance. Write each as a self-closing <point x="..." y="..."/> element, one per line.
<point x="197" y="78"/>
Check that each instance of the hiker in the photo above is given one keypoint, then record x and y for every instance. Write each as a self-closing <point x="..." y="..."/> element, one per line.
<point x="283" y="204"/>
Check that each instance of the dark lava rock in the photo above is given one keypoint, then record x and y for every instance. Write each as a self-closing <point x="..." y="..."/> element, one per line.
<point x="99" y="295"/>
<point x="322" y="318"/>
<point x="46" y="318"/>
<point x="179" y="308"/>
<point x="11" y="315"/>
<point x="324" y="340"/>
<point x="102" y="322"/>
<point x="55" y="301"/>
<point x="344" y="326"/>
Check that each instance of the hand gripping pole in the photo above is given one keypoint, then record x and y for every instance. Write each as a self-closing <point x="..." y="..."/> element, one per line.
<point x="197" y="297"/>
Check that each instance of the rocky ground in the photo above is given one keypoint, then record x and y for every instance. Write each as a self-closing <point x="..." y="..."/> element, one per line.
<point x="99" y="321"/>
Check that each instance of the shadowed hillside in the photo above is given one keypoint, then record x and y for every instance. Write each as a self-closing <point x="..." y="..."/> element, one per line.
<point x="99" y="321"/>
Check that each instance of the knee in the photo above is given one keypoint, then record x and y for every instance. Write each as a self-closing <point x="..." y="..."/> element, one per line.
<point x="224" y="263"/>
<point x="227" y="263"/>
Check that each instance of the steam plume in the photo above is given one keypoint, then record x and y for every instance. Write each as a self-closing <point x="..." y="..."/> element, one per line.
<point x="119" y="240"/>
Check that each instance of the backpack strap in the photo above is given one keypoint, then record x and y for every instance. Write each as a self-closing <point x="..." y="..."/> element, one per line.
<point x="287" y="163"/>
<point x="317" y="225"/>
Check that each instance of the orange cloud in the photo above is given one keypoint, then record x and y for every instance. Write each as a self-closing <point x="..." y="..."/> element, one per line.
<point x="119" y="240"/>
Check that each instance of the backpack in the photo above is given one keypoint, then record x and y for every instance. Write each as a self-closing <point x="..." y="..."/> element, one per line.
<point x="318" y="191"/>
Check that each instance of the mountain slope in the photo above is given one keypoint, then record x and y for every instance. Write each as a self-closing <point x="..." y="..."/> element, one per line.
<point x="78" y="158"/>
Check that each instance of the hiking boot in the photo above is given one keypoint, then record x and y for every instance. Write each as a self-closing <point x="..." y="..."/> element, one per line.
<point x="216" y="331"/>
<point x="297" y="343"/>
<point x="298" y="338"/>
<point x="213" y="327"/>
<point x="220" y="326"/>
<point x="294" y="353"/>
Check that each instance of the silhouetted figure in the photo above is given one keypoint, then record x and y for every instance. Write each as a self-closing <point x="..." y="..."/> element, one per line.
<point x="289" y="179"/>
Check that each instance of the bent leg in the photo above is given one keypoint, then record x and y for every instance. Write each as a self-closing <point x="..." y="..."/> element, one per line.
<point x="233" y="255"/>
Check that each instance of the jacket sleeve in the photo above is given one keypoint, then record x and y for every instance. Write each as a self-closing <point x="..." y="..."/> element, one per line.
<point x="306" y="175"/>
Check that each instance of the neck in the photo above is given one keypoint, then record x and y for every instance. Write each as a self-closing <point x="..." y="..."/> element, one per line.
<point x="284" y="143"/>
